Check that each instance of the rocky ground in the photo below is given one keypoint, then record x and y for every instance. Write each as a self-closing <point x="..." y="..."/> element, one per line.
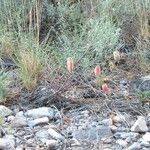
<point x="79" y="119"/>
<point x="79" y="129"/>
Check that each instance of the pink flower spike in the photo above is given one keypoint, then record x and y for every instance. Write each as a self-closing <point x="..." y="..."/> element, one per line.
<point x="105" y="88"/>
<point x="70" y="64"/>
<point x="97" y="70"/>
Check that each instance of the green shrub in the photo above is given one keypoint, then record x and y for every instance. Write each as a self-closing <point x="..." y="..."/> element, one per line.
<point x="3" y="85"/>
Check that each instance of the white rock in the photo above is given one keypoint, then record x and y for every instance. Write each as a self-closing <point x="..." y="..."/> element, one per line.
<point x="41" y="112"/>
<point x="140" y="125"/>
<point x="134" y="146"/>
<point x="146" y="137"/>
<point x="7" y="143"/>
<point x="51" y="143"/>
<point x="55" y="134"/>
<point x="107" y="122"/>
<point x="44" y="120"/>
<point x="122" y="143"/>
<point x="19" y="122"/>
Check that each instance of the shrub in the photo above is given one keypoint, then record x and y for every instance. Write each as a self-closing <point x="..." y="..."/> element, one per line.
<point x="3" y="85"/>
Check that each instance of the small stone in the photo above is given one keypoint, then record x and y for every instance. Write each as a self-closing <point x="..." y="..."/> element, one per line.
<point x="134" y="146"/>
<point x="140" y="125"/>
<point x="146" y="137"/>
<point x="44" y="120"/>
<point x="42" y="134"/>
<point x="74" y="142"/>
<point x="51" y="143"/>
<point x="107" y="122"/>
<point x="122" y="143"/>
<point x="20" y="114"/>
<point x="41" y="112"/>
<point x="106" y="140"/>
<point x="113" y="128"/>
<point x="19" y="122"/>
<point x="145" y="144"/>
<point x="55" y="134"/>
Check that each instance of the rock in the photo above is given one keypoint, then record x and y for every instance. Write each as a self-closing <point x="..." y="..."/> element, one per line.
<point x="132" y="135"/>
<point x="19" y="122"/>
<point x="140" y="125"/>
<point x="107" y="122"/>
<point x="134" y="146"/>
<point x="52" y="144"/>
<point x="20" y="114"/>
<point x="145" y="144"/>
<point x="122" y="143"/>
<point x="4" y="111"/>
<point x="7" y="143"/>
<point x="41" y="112"/>
<point x="42" y="134"/>
<point x="44" y="120"/>
<point x="55" y="134"/>
<point x="142" y="84"/>
<point x="74" y="142"/>
<point x="106" y="140"/>
<point x="146" y="137"/>
<point x="113" y="128"/>
<point x="92" y="133"/>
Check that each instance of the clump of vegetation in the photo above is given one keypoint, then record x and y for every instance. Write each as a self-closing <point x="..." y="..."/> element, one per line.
<point x="30" y="67"/>
<point x="3" y="85"/>
<point x="144" y="96"/>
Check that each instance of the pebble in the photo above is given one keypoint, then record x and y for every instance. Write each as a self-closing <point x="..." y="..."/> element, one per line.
<point x="55" y="134"/>
<point x="122" y="143"/>
<point x="19" y="122"/>
<point x="35" y="122"/>
<point x="42" y="134"/>
<point x="146" y="137"/>
<point x="107" y="122"/>
<point x="41" y="112"/>
<point x="134" y="146"/>
<point x="140" y="125"/>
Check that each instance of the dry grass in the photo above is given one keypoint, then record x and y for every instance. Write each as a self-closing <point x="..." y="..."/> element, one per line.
<point x="30" y="68"/>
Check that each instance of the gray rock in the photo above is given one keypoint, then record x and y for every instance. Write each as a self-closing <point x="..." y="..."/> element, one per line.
<point x="55" y="134"/>
<point x="107" y="122"/>
<point x="145" y="144"/>
<point x="35" y="122"/>
<point x="113" y="128"/>
<point x="142" y="84"/>
<point x="4" y="111"/>
<point x="41" y="112"/>
<point x="134" y="146"/>
<point x="146" y="137"/>
<point x="140" y="125"/>
<point x="122" y="143"/>
<point x="19" y="122"/>
<point x="125" y="135"/>
<point x="106" y="140"/>
<point x="92" y="133"/>
<point x="42" y="134"/>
